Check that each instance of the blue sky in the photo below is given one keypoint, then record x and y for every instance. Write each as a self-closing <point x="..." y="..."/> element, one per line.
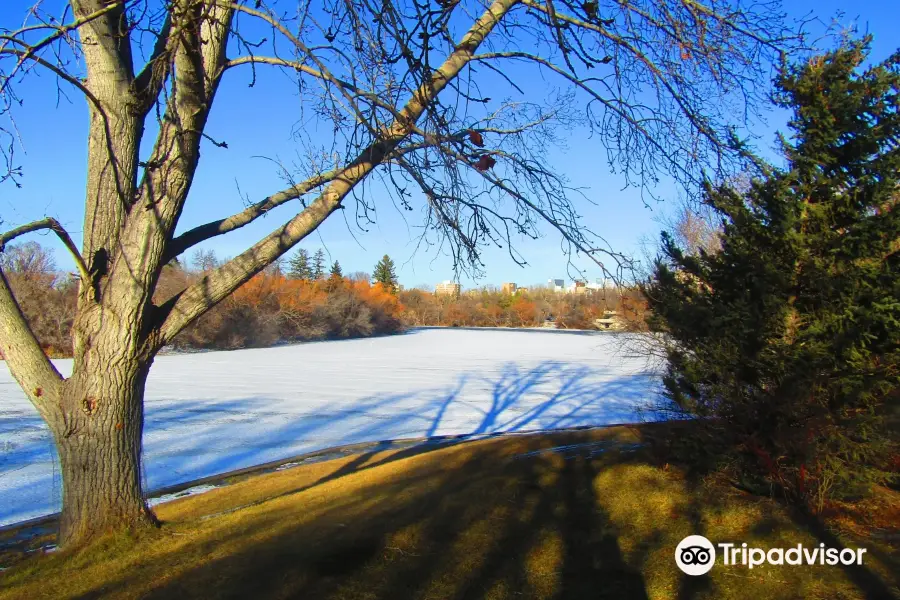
<point x="53" y="132"/>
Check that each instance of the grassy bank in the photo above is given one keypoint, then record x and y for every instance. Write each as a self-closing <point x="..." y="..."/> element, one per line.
<point x="580" y="514"/>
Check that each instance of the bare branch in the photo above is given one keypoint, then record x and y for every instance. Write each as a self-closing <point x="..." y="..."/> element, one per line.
<point x="149" y="81"/>
<point x="59" y="230"/>
<point x="221" y="282"/>
<point x="25" y="55"/>
<point x="222" y="226"/>
<point x="201" y="296"/>
<point x="60" y="31"/>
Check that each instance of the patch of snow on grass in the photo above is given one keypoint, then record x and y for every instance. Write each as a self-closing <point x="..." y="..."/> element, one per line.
<point x="191" y="491"/>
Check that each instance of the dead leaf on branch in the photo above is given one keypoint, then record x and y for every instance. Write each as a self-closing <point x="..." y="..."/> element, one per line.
<point x="475" y="138"/>
<point x="485" y="162"/>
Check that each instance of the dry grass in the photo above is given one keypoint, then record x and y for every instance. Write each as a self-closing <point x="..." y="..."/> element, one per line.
<point x="498" y="518"/>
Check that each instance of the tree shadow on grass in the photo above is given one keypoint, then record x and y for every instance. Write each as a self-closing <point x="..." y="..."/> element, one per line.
<point x="577" y="514"/>
<point x="520" y="527"/>
<point x="875" y="588"/>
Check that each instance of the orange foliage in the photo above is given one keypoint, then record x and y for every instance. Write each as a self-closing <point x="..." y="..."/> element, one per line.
<point x="492" y="308"/>
<point x="270" y="308"/>
<point x="525" y="311"/>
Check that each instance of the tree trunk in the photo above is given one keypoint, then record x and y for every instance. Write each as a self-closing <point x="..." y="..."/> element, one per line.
<point x="98" y="438"/>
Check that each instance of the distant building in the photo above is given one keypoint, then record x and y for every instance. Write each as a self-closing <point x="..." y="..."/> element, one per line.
<point x="447" y="288"/>
<point x="581" y="286"/>
<point x="557" y="285"/>
<point x="601" y="283"/>
<point x="509" y="288"/>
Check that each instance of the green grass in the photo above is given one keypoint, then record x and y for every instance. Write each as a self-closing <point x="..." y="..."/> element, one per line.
<point x="498" y="518"/>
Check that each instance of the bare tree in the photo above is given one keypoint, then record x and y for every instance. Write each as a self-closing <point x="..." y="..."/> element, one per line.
<point x="402" y="84"/>
<point x="204" y="260"/>
<point x="29" y="260"/>
<point x="694" y="228"/>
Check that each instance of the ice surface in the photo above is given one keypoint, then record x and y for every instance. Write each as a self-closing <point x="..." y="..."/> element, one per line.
<point x="212" y="412"/>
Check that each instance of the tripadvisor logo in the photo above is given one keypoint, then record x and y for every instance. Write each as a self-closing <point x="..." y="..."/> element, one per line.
<point x="696" y="555"/>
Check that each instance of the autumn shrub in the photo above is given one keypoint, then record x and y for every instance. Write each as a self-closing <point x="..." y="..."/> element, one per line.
<point x="489" y="307"/>
<point x="271" y="308"/>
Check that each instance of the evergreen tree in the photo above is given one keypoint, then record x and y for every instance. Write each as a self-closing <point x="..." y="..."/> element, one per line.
<point x="787" y="341"/>
<point x="336" y="270"/>
<point x="385" y="274"/>
<point x="318" y="267"/>
<point x="299" y="265"/>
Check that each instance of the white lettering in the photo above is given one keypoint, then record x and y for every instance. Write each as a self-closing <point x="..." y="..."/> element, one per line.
<point x="725" y="548"/>
<point x="737" y="553"/>
<point x="757" y="557"/>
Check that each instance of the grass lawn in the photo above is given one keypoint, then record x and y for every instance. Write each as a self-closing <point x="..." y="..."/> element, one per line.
<point x="510" y="517"/>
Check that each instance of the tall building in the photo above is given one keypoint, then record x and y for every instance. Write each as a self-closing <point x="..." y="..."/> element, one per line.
<point x="601" y="283"/>
<point x="557" y="285"/>
<point x="509" y="288"/>
<point x="447" y="288"/>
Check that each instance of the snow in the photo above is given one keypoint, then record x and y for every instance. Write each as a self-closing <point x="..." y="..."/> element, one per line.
<point x="191" y="491"/>
<point x="213" y="412"/>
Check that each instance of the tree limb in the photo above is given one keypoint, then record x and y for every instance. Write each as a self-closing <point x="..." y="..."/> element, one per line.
<point x="322" y="75"/>
<point x="251" y="213"/>
<point x="59" y="230"/>
<point x="61" y="31"/>
<point x="297" y="66"/>
<point x="219" y="283"/>
<point x="24" y="356"/>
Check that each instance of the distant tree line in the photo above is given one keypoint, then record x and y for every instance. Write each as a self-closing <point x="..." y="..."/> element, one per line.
<point x="300" y="303"/>
<point x="302" y="300"/>
<point x="490" y="307"/>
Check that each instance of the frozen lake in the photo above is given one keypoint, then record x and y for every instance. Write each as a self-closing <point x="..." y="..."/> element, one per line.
<point x="213" y="412"/>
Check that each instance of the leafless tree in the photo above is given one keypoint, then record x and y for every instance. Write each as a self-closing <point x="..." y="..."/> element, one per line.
<point x="29" y="260"/>
<point x="403" y="85"/>
<point x="694" y="228"/>
<point x="204" y="260"/>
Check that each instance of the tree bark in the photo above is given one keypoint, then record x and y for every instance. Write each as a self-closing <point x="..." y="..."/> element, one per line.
<point x="98" y="437"/>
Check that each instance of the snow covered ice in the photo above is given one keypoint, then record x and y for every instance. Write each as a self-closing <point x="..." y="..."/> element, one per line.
<point x="212" y="412"/>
